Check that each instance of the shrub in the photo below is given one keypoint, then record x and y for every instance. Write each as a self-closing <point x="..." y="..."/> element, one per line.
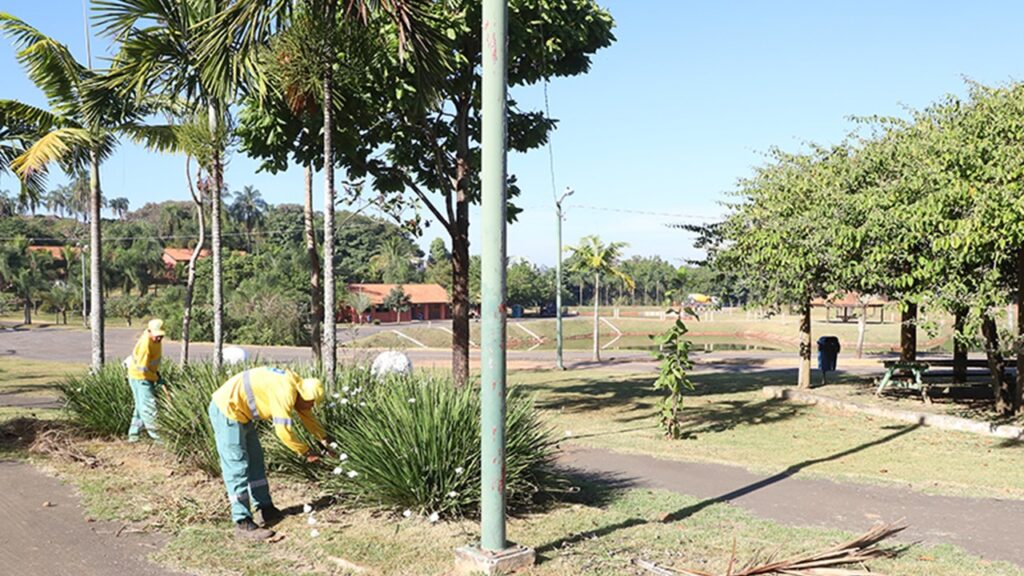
<point x="414" y="443"/>
<point x="100" y="402"/>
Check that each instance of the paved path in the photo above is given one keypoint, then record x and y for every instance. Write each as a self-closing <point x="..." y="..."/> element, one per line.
<point x="989" y="528"/>
<point x="57" y="540"/>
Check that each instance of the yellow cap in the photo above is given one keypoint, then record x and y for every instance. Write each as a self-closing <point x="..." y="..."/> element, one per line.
<point x="156" y="327"/>
<point x="311" y="390"/>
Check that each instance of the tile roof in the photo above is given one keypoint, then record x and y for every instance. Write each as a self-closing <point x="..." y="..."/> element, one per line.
<point x="418" y="293"/>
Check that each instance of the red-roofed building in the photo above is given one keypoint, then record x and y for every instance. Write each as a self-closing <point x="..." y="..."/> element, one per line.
<point x="56" y="252"/>
<point x="427" y="302"/>
<point x="174" y="256"/>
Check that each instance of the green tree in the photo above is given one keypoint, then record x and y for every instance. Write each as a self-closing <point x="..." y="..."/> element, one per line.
<point x="434" y="150"/>
<point x="24" y="272"/>
<point x="79" y="132"/>
<point x="62" y="297"/>
<point x="526" y="285"/>
<point x="119" y="206"/>
<point x="439" y="265"/>
<point x="393" y="261"/>
<point x="594" y="257"/>
<point x="397" y="301"/>
<point x="248" y="208"/>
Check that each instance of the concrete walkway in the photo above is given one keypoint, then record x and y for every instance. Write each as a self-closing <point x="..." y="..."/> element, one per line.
<point x="989" y="528"/>
<point x="56" y="539"/>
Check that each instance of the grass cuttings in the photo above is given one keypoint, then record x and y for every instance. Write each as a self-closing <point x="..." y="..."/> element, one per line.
<point x="830" y="562"/>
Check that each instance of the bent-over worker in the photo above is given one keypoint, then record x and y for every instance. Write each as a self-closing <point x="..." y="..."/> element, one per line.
<point x="144" y="378"/>
<point x="260" y="393"/>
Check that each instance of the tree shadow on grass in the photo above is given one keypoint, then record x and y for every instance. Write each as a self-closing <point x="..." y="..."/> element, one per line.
<point x="692" y="509"/>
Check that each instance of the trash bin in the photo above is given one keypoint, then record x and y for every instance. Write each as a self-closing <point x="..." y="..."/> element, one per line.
<point x="517" y="311"/>
<point x="828" y="353"/>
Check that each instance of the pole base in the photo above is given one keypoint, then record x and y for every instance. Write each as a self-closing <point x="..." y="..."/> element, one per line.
<point x="474" y="560"/>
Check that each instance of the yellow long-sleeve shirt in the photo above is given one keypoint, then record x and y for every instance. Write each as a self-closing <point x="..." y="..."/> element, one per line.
<point x="268" y="394"/>
<point x="146" y="359"/>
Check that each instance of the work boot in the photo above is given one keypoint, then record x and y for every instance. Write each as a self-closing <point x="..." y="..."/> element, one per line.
<point x="270" y="515"/>
<point x="251" y="531"/>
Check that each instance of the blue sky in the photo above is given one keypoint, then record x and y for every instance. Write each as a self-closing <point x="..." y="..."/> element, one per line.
<point x="673" y="113"/>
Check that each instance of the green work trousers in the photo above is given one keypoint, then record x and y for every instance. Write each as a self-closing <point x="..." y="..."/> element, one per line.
<point x="144" y="415"/>
<point x="241" y="463"/>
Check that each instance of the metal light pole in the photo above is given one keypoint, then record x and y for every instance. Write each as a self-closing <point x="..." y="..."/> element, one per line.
<point x="494" y="555"/>
<point x="492" y="280"/>
<point x="558" y="280"/>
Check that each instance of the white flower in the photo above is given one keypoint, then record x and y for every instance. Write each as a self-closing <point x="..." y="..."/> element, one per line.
<point x="412" y="400"/>
<point x="434" y="517"/>
<point x="337" y="471"/>
<point x="334" y="445"/>
<point x="307" y="508"/>
<point x="331" y="405"/>
<point x="336" y="395"/>
<point x="314" y="533"/>
<point x="311" y="521"/>
<point x="453" y="494"/>
<point x="342" y="456"/>
<point x="352" y="473"/>
<point x="345" y="389"/>
<point x="362" y="403"/>
<point x="344" y="401"/>
<point x="358" y="390"/>
<point x="407" y="513"/>
<point x="459" y="470"/>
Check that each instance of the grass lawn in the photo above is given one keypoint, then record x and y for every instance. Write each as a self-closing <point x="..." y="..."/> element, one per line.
<point x="598" y="530"/>
<point x="730" y="422"/>
<point x="780" y="332"/>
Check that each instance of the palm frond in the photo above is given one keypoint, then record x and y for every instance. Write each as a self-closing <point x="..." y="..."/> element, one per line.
<point x="161" y="138"/>
<point x="30" y="118"/>
<point x="49" y="64"/>
<point x="54" y="146"/>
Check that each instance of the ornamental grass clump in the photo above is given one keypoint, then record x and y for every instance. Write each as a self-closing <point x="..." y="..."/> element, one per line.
<point x="413" y="443"/>
<point x="99" y="402"/>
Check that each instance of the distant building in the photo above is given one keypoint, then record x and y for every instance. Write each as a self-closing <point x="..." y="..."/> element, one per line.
<point x="846" y="307"/>
<point x="427" y="302"/>
<point x="56" y="252"/>
<point x="174" y="256"/>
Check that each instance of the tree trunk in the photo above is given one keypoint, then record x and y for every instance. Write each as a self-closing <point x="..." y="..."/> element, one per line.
<point x="27" y="309"/>
<point x="597" y="328"/>
<point x="460" y="296"/>
<point x="190" y="283"/>
<point x="804" y="375"/>
<point x="862" y="328"/>
<point x="215" y="236"/>
<point x="316" y="298"/>
<point x="908" y="333"/>
<point x="959" y="348"/>
<point x="996" y="366"/>
<point x="329" y="356"/>
<point x="96" y="260"/>
<point x="1018" y="387"/>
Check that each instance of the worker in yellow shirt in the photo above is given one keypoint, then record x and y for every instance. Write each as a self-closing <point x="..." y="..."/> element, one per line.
<point x="144" y="378"/>
<point x="269" y="394"/>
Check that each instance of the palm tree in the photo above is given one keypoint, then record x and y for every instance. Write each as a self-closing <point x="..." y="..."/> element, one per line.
<point x="592" y="256"/>
<point x="61" y="297"/>
<point x="8" y="204"/>
<point x="392" y="261"/>
<point x="15" y="137"/>
<point x="248" y="22"/>
<point x="79" y="132"/>
<point x="119" y="206"/>
<point x="248" y="208"/>
<point x="166" y="59"/>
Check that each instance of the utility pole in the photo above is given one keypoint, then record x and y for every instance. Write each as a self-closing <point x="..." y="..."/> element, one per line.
<point x="494" y="555"/>
<point x="558" y="280"/>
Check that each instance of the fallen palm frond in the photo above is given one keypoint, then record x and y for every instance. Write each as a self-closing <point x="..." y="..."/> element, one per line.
<point x="827" y="563"/>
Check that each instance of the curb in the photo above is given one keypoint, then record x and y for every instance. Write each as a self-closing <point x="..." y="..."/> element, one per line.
<point x="940" y="421"/>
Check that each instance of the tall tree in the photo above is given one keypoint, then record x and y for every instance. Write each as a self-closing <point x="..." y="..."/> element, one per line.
<point x="176" y="60"/>
<point x="434" y="149"/>
<point x="248" y="208"/>
<point x="594" y="257"/>
<point x="119" y="206"/>
<point x="79" y="131"/>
